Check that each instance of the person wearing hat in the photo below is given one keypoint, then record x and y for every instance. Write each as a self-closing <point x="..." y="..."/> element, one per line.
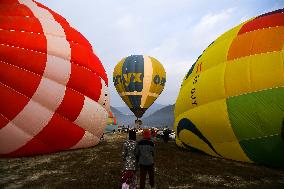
<point x="145" y="154"/>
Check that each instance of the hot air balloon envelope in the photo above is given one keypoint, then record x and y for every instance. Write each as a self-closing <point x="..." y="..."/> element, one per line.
<point x="53" y="88"/>
<point x="231" y="102"/>
<point x="139" y="80"/>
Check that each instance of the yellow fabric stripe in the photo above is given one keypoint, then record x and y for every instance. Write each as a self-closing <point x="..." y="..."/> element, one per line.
<point x="216" y="128"/>
<point x="253" y="73"/>
<point x="118" y="72"/>
<point x="192" y="140"/>
<point x="206" y="87"/>
<point x="158" y="69"/>
<point x="138" y="93"/>
<point x="232" y="150"/>
<point x="221" y="47"/>
<point x="120" y="87"/>
<point x="151" y="88"/>
<point x="147" y="80"/>
<point x="208" y="64"/>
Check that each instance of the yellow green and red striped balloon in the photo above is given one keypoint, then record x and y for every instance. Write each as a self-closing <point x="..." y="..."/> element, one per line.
<point x="111" y="119"/>
<point x="231" y="102"/>
<point x="139" y="80"/>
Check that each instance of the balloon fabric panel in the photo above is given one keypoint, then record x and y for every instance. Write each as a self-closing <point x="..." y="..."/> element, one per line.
<point x="132" y="74"/>
<point x="139" y="80"/>
<point x="54" y="101"/>
<point x="258" y="121"/>
<point x="233" y="94"/>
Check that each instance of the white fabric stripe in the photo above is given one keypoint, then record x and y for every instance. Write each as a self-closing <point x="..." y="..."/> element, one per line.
<point x="147" y="80"/>
<point x="58" y="46"/>
<point x="12" y="136"/>
<point x="104" y="97"/>
<point x="93" y="117"/>
<point x="87" y="140"/>
<point x="56" y="69"/>
<point x="49" y="94"/>
<point x="34" y="117"/>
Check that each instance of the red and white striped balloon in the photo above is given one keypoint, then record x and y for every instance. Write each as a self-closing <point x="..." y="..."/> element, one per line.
<point x="53" y="88"/>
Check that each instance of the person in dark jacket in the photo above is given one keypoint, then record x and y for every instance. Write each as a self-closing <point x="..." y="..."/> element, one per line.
<point x="166" y="136"/>
<point x="129" y="161"/>
<point x="145" y="154"/>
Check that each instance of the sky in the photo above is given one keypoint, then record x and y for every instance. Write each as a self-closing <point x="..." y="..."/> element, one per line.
<point x="173" y="31"/>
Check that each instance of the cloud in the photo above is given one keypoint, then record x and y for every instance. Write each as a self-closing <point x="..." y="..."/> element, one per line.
<point x="174" y="32"/>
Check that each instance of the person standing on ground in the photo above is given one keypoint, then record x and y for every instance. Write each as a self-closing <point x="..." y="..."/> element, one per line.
<point x="166" y="136"/>
<point x="129" y="161"/>
<point x="145" y="154"/>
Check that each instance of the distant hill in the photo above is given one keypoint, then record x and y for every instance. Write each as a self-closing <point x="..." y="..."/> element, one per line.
<point x="153" y="108"/>
<point x="121" y="118"/>
<point x="161" y="118"/>
<point x="115" y="111"/>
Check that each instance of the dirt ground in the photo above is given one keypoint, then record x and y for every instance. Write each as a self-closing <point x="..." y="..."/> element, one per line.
<point x="100" y="167"/>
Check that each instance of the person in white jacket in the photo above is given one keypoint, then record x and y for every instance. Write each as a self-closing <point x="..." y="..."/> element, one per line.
<point x="129" y="161"/>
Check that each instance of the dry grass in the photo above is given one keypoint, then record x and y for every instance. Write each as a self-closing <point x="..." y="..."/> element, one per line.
<point x="100" y="167"/>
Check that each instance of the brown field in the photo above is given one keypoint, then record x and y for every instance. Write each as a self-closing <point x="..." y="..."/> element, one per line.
<point x="100" y="167"/>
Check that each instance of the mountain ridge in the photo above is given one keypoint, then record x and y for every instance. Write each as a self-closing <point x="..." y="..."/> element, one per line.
<point x="160" y="118"/>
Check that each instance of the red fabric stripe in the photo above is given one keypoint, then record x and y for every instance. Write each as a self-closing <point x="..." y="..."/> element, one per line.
<point x="3" y="120"/>
<point x="81" y="49"/>
<point x="99" y="68"/>
<point x="60" y="133"/>
<point x="110" y="114"/>
<point x="9" y="1"/>
<point x="56" y="16"/>
<point x="85" y="82"/>
<point x="20" y="80"/>
<point x="13" y="8"/>
<point x="11" y="102"/>
<point x="71" y="105"/>
<point x="33" y="147"/>
<point x="24" y="40"/>
<point x="77" y="37"/>
<point x="71" y="33"/>
<point x="86" y="58"/>
<point x="28" y="60"/>
<point x="272" y="20"/>
<point x="19" y="23"/>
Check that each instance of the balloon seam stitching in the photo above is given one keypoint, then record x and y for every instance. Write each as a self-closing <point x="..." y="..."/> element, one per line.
<point x="43" y="77"/>
<point x="71" y="61"/>
<point x="255" y="138"/>
<point x="224" y="62"/>
<point x="40" y="33"/>
<point x="231" y="97"/>
<point x="40" y="76"/>
<point x="27" y="133"/>
<point x="62" y="116"/>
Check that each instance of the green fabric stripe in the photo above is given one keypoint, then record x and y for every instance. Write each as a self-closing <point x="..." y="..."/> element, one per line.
<point x="256" y="116"/>
<point x="267" y="151"/>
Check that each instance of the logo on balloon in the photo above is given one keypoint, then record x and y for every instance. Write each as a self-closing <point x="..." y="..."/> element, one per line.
<point x="128" y="78"/>
<point x="157" y="80"/>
